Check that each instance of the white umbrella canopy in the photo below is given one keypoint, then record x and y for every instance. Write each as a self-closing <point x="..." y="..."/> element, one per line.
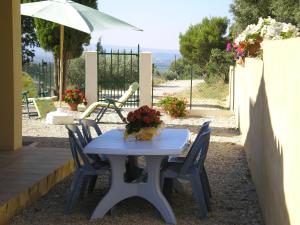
<point x="74" y="15"/>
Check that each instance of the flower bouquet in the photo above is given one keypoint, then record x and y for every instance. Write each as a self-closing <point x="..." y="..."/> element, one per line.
<point x="73" y="98"/>
<point x="143" y="123"/>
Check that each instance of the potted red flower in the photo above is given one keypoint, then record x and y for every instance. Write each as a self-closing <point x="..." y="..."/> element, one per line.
<point x="73" y="98"/>
<point x="143" y="123"/>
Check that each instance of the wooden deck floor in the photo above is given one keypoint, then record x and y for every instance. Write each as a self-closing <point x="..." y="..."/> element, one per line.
<point x="28" y="174"/>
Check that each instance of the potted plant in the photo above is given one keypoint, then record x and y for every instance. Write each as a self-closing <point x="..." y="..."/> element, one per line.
<point x="143" y="123"/>
<point x="173" y="106"/>
<point x="73" y="98"/>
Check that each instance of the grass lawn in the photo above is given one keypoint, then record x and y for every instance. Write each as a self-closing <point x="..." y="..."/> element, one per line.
<point x="217" y="92"/>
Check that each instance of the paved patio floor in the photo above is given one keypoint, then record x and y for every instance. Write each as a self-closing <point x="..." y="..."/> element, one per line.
<point x="234" y="199"/>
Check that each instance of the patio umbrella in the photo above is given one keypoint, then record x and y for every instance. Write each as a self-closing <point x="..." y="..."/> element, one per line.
<point x="74" y="15"/>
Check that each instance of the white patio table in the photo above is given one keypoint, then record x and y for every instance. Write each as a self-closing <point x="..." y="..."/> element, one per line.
<point x="113" y="145"/>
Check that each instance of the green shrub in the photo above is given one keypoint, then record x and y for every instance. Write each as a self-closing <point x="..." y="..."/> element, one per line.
<point x="170" y="75"/>
<point x="173" y="106"/>
<point x="29" y="85"/>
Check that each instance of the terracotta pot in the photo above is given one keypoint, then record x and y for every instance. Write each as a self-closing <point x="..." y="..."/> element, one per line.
<point x="73" y="106"/>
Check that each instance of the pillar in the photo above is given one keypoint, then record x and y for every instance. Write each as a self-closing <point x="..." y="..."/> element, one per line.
<point x="145" y="80"/>
<point x="10" y="76"/>
<point x="91" y="77"/>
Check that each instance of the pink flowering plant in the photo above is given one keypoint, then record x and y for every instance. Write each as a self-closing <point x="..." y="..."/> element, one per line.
<point x="248" y="43"/>
<point x="173" y="106"/>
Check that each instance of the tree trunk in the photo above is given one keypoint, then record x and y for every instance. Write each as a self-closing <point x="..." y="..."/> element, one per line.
<point x="57" y="72"/>
<point x="66" y="66"/>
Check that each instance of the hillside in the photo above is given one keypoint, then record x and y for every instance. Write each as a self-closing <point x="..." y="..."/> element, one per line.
<point x="161" y="58"/>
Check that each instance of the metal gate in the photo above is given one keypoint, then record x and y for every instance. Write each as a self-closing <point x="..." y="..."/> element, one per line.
<point x="116" y="71"/>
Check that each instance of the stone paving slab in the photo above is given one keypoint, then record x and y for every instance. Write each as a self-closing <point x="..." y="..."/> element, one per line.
<point x="28" y="174"/>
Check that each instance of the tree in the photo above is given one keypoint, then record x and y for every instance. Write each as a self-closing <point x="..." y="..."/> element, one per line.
<point x="28" y="38"/>
<point x="248" y="12"/>
<point x="76" y="72"/>
<point x="197" y="43"/>
<point x="48" y="34"/>
<point x="218" y="66"/>
<point x="183" y="69"/>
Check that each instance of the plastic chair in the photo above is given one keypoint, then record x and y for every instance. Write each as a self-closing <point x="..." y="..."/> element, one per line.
<point x="86" y="125"/>
<point x="26" y="102"/>
<point x="180" y="159"/>
<point x="87" y="171"/>
<point x="109" y="103"/>
<point x="192" y="169"/>
<point x="86" y="130"/>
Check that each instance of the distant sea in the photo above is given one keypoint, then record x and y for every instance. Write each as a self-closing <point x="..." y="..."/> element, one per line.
<point x="161" y="58"/>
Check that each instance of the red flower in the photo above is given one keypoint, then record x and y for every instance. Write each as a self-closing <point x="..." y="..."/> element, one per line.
<point x="147" y="119"/>
<point x="68" y="91"/>
<point x="137" y="115"/>
<point x="77" y="91"/>
<point x="130" y="117"/>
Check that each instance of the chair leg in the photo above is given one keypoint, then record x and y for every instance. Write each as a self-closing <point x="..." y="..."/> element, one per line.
<point x="92" y="184"/>
<point x="120" y="115"/>
<point x="27" y="107"/>
<point x="168" y="188"/>
<point x="101" y="114"/>
<point x="200" y="197"/>
<point x="75" y="189"/>
<point x="84" y="184"/>
<point x="205" y="190"/>
<point x="207" y="182"/>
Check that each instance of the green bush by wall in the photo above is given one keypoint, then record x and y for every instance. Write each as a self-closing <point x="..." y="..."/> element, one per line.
<point x="28" y="85"/>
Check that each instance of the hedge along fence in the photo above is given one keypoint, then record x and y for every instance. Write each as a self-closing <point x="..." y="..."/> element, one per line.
<point x="266" y="101"/>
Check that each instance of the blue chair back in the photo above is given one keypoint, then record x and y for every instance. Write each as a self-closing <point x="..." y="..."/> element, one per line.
<point x="86" y="125"/>
<point x="76" y="144"/>
<point x="197" y="154"/>
<point x="204" y="126"/>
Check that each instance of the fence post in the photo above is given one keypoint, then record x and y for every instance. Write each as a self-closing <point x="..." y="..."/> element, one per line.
<point x="91" y="76"/>
<point x="145" y="79"/>
<point x="231" y="87"/>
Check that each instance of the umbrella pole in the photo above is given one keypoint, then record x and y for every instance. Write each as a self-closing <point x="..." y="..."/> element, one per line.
<point x="62" y="32"/>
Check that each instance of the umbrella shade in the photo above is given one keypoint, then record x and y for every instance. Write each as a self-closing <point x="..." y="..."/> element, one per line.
<point x="74" y="15"/>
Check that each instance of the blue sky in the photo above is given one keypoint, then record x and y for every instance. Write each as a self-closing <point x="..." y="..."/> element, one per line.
<point x="161" y="20"/>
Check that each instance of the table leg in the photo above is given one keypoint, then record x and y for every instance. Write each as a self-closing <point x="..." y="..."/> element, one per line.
<point x="152" y="191"/>
<point x="117" y="192"/>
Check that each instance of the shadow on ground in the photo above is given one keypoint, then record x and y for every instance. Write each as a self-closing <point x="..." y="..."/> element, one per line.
<point x="234" y="199"/>
<point x="43" y="142"/>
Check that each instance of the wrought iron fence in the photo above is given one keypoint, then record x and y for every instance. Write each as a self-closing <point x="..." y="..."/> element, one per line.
<point x="43" y="76"/>
<point x="116" y="71"/>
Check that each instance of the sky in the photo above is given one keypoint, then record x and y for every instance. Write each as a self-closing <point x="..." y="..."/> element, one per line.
<point x="161" y="20"/>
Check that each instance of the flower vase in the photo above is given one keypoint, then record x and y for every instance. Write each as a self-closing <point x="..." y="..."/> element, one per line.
<point x="146" y="133"/>
<point x="73" y="106"/>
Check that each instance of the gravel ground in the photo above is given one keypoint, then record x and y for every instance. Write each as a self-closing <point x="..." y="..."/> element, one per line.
<point x="234" y="199"/>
